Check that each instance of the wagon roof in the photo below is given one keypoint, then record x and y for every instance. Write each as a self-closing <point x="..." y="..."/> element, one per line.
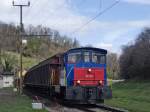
<point x="46" y="61"/>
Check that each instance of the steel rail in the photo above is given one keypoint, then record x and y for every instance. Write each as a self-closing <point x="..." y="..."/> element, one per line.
<point x="112" y="109"/>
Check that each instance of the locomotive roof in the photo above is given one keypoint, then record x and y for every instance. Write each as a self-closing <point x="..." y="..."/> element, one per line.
<point x="89" y="48"/>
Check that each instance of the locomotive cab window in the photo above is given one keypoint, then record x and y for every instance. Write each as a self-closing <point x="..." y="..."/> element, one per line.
<point x="86" y="56"/>
<point x="74" y="57"/>
<point x="98" y="58"/>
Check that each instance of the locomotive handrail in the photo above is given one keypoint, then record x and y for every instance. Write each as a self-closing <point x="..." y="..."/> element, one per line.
<point x="88" y="80"/>
<point x="69" y="72"/>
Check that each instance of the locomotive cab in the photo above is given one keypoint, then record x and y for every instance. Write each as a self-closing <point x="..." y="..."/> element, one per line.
<point x="86" y="75"/>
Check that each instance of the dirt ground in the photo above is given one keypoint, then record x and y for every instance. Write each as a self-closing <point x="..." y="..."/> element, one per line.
<point x="7" y="95"/>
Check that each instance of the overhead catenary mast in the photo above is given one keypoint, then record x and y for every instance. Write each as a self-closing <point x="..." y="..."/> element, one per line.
<point x="21" y="37"/>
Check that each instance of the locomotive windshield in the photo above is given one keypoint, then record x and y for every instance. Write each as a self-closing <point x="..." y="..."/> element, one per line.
<point x="74" y="57"/>
<point x="86" y="56"/>
<point x="98" y="58"/>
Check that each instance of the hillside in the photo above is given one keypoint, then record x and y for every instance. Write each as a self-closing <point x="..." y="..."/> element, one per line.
<point x="28" y="62"/>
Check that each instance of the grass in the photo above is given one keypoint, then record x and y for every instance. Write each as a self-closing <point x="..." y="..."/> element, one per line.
<point x="15" y="103"/>
<point x="133" y="96"/>
<point x="29" y="62"/>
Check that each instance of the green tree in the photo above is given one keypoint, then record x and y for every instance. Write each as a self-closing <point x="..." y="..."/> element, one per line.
<point x="8" y="62"/>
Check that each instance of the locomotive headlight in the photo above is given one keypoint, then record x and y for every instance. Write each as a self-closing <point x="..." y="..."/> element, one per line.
<point x="78" y="81"/>
<point x="89" y="70"/>
<point x="100" y="82"/>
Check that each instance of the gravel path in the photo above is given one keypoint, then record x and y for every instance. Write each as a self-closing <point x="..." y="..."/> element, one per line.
<point x="55" y="107"/>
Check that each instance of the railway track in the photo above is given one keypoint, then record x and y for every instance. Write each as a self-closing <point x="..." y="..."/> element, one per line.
<point x="59" y="106"/>
<point x="97" y="108"/>
<point x="82" y="107"/>
<point x="111" y="109"/>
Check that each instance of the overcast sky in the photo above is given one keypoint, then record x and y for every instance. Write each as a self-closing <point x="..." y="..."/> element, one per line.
<point x="116" y="27"/>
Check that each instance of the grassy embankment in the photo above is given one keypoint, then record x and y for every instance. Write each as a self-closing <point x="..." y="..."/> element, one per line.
<point x="27" y="62"/>
<point x="14" y="102"/>
<point x="11" y="102"/>
<point x="133" y="96"/>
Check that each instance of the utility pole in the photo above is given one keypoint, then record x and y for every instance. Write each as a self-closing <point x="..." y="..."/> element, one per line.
<point x="21" y="37"/>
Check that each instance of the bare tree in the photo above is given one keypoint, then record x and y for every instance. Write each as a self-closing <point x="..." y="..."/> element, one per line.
<point x="112" y="66"/>
<point x="135" y="59"/>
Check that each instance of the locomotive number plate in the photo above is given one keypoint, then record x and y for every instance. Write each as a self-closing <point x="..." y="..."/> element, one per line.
<point x="89" y="76"/>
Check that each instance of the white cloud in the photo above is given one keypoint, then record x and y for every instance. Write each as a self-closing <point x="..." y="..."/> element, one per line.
<point x="58" y="14"/>
<point x="115" y="31"/>
<point x="123" y="24"/>
<point x="107" y="46"/>
<point x="55" y="14"/>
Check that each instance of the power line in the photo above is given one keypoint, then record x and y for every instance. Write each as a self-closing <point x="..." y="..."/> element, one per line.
<point x="99" y="14"/>
<point x="100" y="5"/>
<point x="57" y="8"/>
<point x="60" y="7"/>
<point x="36" y="35"/>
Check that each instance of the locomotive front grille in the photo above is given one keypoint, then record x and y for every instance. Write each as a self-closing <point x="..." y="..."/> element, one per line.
<point x="90" y="93"/>
<point x="87" y="94"/>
